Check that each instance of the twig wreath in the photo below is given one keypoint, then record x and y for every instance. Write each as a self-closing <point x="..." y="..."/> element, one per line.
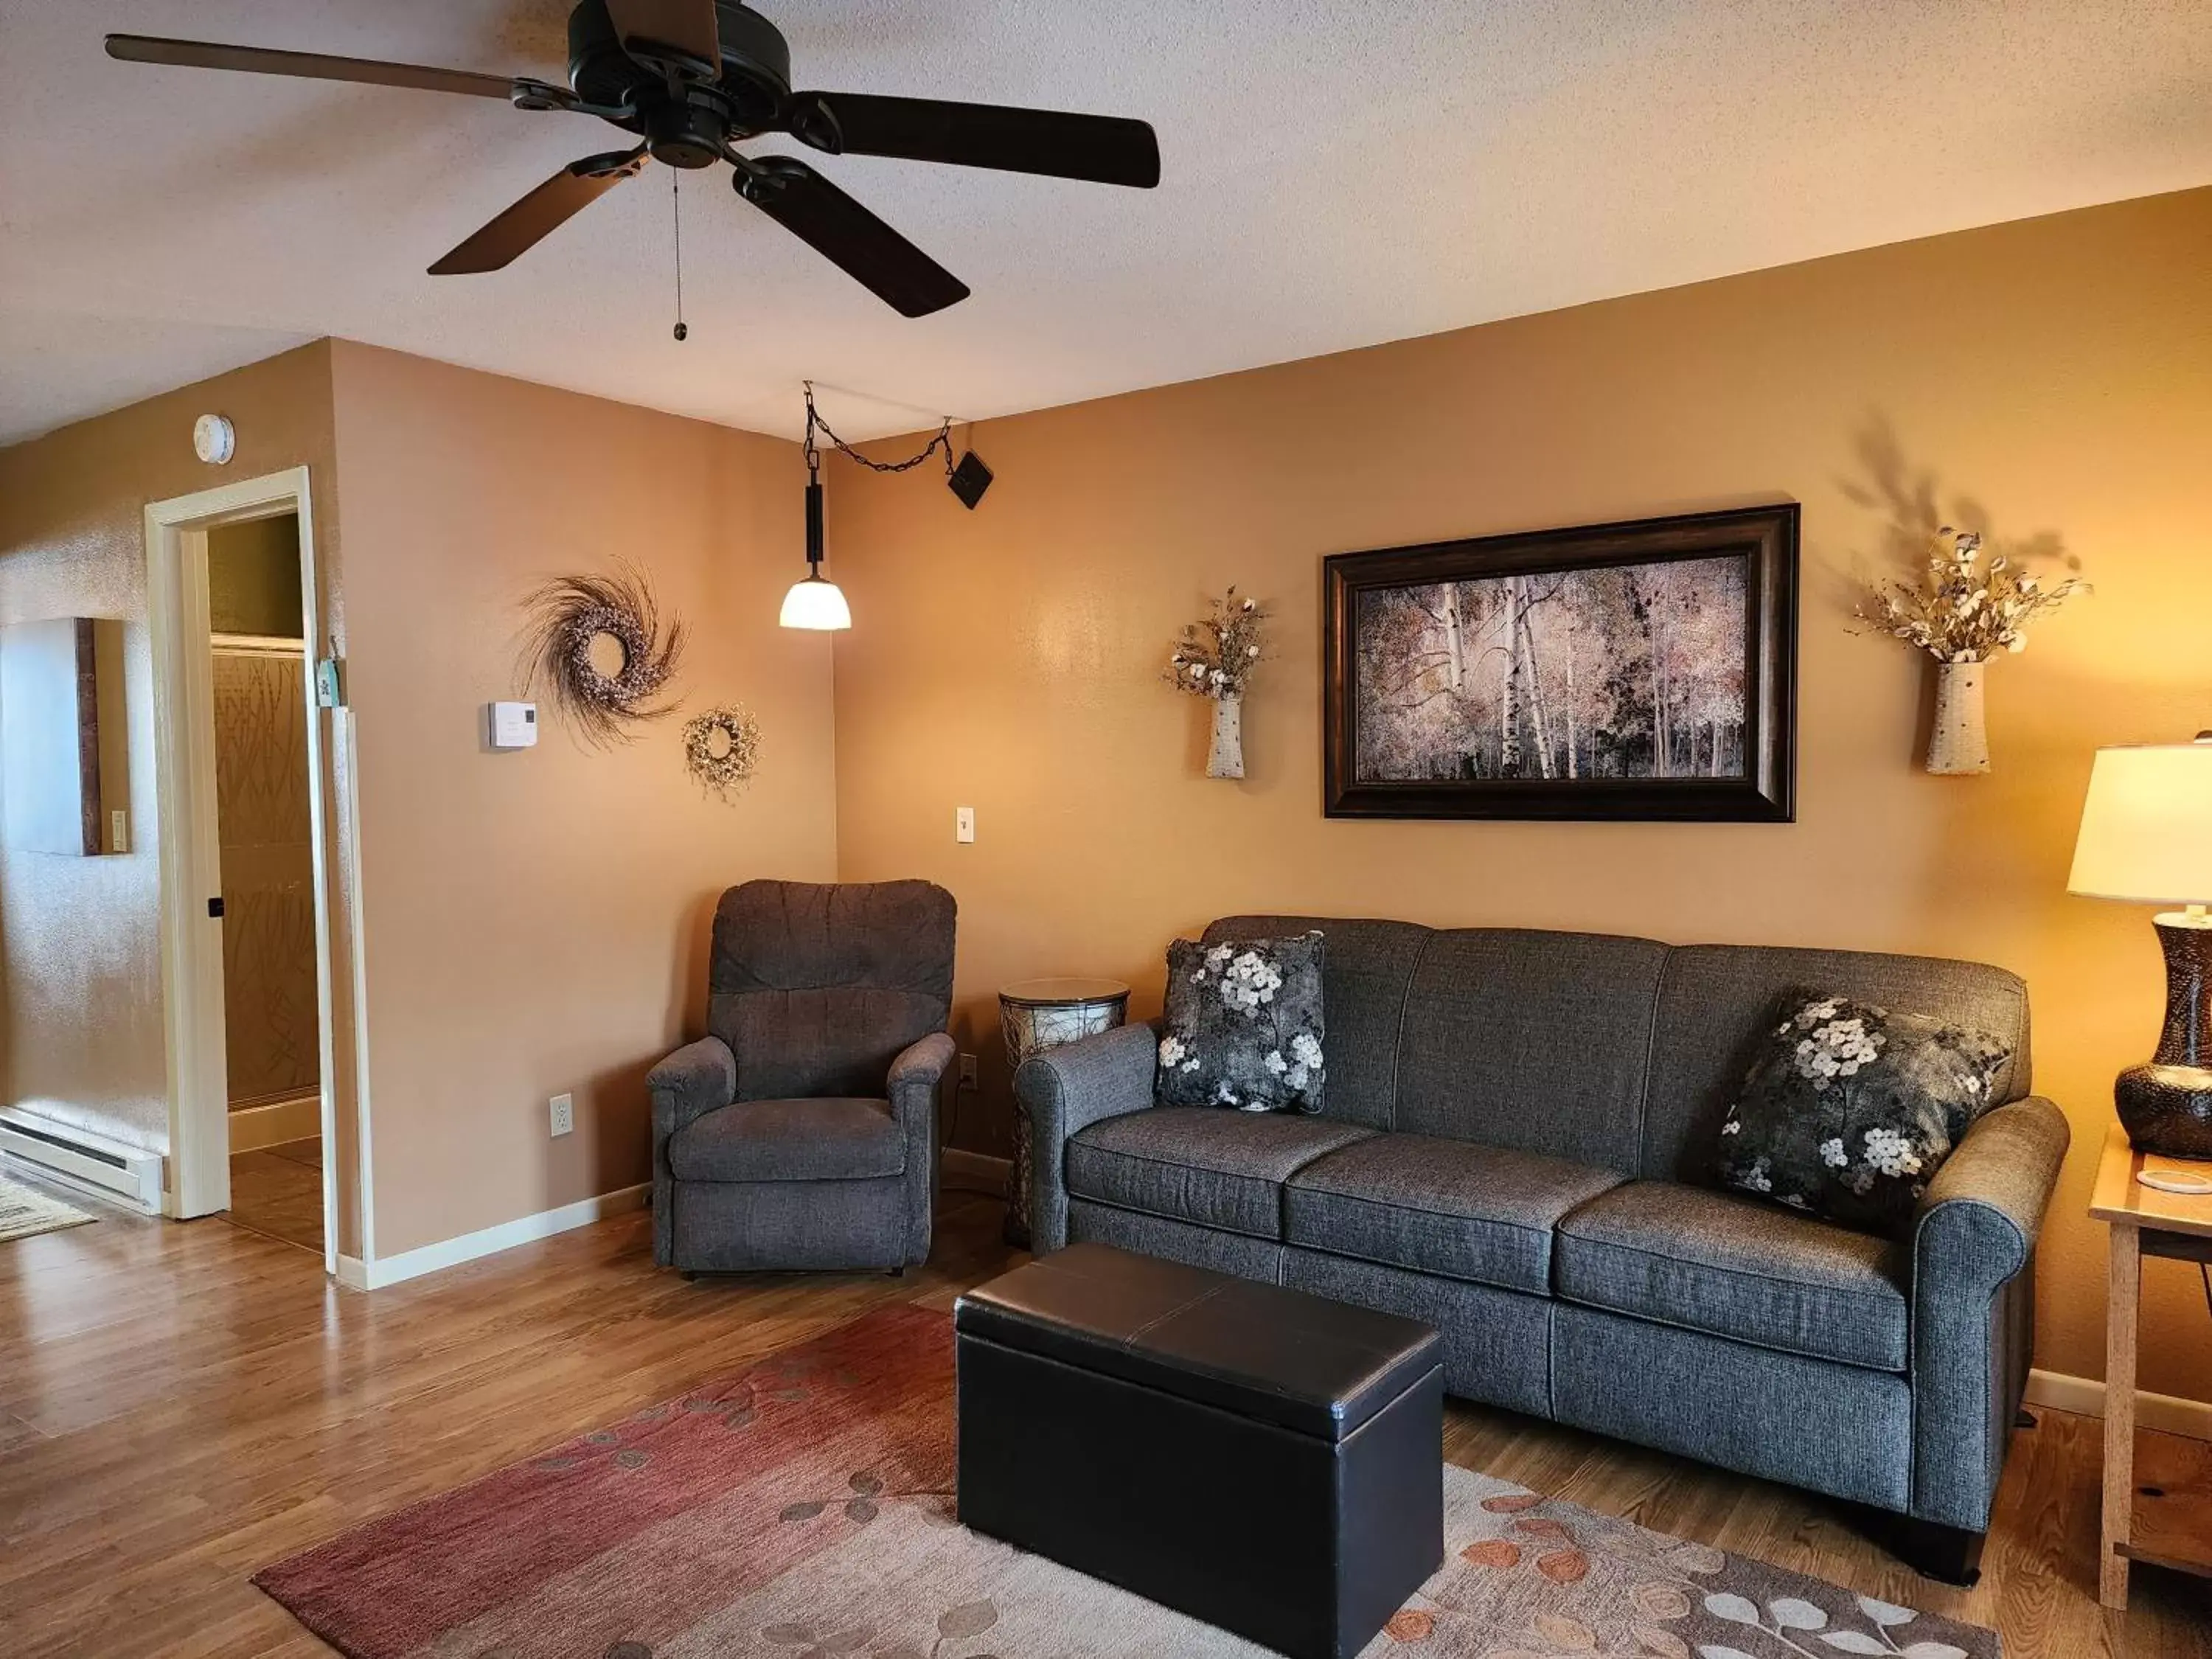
<point x="568" y="618"/>
<point x="721" y="748"/>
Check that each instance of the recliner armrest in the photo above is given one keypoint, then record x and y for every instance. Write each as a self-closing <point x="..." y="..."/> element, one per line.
<point x="917" y="1072"/>
<point x="697" y="1079"/>
<point x="1063" y="1091"/>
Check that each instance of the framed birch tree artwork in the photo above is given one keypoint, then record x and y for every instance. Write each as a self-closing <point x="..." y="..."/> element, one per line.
<point x="1645" y="670"/>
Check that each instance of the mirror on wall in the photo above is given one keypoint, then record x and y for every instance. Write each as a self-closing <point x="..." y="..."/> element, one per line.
<point x="64" y="766"/>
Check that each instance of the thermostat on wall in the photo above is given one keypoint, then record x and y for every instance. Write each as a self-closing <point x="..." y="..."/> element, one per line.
<point x="513" y="725"/>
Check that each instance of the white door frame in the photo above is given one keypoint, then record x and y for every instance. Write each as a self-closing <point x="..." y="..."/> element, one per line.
<point x="190" y="846"/>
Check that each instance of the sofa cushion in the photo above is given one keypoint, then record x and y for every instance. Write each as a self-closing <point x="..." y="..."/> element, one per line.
<point x="1450" y="1208"/>
<point x="1852" y="1108"/>
<point x="1530" y="1040"/>
<point x="1736" y="1268"/>
<point x="1716" y="1006"/>
<point x="823" y="1138"/>
<point x="1244" y="1026"/>
<point x="1366" y="967"/>
<point x="1201" y="1164"/>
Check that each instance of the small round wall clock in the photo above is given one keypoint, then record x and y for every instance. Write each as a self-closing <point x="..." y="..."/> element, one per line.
<point x="214" y="440"/>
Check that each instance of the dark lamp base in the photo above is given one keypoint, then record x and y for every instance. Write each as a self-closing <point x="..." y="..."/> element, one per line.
<point x="2167" y="1109"/>
<point x="2166" y="1106"/>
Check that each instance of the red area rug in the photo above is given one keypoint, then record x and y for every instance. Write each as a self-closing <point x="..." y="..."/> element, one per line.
<point x="803" y="1511"/>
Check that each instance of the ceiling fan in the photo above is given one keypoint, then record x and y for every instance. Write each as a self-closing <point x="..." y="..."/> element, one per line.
<point x="693" y="79"/>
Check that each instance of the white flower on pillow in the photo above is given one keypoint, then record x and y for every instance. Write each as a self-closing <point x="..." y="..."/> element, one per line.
<point x="1833" y="1153"/>
<point x="1891" y="1154"/>
<point x="1275" y="1062"/>
<point x="1172" y="1050"/>
<point x="1249" y="983"/>
<point x="1305" y="1049"/>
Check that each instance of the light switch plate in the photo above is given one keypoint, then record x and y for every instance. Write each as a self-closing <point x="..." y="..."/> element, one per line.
<point x="118" y="832"/>
<point x="564" y="1113"/>
<point x="964" y="823"/>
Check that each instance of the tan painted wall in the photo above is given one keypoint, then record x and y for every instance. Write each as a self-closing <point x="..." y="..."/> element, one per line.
<point x="536" y="921"/>
<point x="2053" y="376"/>
<point x="80" y="938"/>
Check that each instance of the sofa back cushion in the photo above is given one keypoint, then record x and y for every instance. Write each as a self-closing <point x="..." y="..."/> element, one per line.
<point x="1535" y="1041"/>
<point x="1717" y="1001"/>
<point x="817" y="986"/>
<point x="1621" y="1052"/>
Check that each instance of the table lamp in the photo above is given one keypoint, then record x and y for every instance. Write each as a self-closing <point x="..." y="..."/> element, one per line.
<point x="2147" y="837"/>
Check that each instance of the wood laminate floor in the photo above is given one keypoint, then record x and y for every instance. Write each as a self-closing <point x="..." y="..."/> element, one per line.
<point x="180" y="1404"/>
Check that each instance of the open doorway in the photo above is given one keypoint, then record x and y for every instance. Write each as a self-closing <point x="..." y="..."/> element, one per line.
<point x="265" y="830"/>
<point x="240" y="729"/>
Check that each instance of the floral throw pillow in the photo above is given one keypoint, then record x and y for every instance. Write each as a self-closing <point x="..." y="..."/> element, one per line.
<point x="1851" y="1109"/>
<point x="1244" y="1026"/>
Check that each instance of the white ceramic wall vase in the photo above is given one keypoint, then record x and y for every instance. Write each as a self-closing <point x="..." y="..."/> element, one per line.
<point x="1959" y="744"/>
<point x="1225" y="759"/>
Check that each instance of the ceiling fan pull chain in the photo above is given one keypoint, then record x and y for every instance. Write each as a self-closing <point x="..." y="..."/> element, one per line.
<point x="676" y="206"/>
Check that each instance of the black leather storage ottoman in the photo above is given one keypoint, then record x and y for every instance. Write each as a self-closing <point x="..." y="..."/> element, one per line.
<point x="1266" y="1460"/>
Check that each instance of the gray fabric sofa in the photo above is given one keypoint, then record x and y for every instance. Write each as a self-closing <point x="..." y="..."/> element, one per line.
<point x="1515" y="1129"/>
<point x="801" y="1131"/>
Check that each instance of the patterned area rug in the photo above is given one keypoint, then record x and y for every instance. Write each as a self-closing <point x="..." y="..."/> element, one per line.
<point x="802" y="1510"/>
<point x="24" y="1212"/>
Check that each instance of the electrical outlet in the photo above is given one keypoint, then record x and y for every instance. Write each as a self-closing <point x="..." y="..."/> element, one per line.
<point x="564" y="1113"/>
<point x="119" y="835"/>
<point x="968" y="1071"/>
<point x="964" y="823"/>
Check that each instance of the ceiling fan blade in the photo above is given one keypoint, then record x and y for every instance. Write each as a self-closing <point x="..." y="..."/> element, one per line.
<point x="540" y="213"/>
<point x="657" y="30"/>
<point x="850" y="237"/>
<point x="312" y="65"/>
<point x="1108" y="149"/>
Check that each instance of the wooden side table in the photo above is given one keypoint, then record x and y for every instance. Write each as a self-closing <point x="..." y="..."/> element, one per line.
<point x="2144" y="1222"/>
<point x="1036" y="1014"/>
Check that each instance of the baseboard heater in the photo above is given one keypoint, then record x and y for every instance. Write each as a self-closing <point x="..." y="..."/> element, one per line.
<point x="77" y="1157"/>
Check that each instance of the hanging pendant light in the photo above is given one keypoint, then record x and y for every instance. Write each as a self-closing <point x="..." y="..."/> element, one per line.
<point x="814" y="601"/>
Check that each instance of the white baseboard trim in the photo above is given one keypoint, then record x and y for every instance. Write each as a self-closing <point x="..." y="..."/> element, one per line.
<point x="2166" y="1413"/>
<point x="975" y="1172"/>
<point x="359" y="1275"/>
<point x="275" y="1121"/>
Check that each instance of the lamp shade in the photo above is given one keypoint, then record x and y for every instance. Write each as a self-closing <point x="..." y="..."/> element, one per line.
<point x="2147" y="826"/>
<point x="815" y="602"/>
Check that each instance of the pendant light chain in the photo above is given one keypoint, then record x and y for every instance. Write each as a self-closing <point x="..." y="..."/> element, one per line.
<point x="942" y="441"/>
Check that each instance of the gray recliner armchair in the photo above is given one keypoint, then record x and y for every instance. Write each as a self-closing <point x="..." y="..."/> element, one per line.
<point x="801" y="1131"/>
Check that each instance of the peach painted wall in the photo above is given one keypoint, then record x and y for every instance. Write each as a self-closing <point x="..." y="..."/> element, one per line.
<point x="80" y="938"/>
<point x="2046" y="376"/>
<point x="536" y="922"/>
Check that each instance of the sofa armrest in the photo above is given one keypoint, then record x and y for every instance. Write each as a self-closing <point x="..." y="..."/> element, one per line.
<point x="697" y="1079"/>
<point x="1973" y="1304"/>
<point x="1065" y="1089"/>
<point x="915" y="1078"/>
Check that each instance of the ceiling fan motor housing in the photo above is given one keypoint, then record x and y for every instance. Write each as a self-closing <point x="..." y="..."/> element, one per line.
<point x="687" y="124"/>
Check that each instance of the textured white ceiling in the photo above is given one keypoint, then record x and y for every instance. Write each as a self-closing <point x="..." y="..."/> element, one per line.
<point x="1335" y="175"/>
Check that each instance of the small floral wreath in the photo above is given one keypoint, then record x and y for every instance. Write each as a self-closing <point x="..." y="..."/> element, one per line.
<point x="721" y="749"/>
<point x="567" y="617"/>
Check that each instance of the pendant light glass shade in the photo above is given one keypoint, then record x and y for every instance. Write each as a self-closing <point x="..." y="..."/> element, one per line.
<point x="815" y="602"/>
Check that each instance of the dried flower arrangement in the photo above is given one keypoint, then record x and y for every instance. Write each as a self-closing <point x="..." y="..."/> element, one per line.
<point x="566" y="620"/>
<point x="721" y="749"/>
<point x="1968" y="609"/>
<point x="1215" y="658"/>
<point x="1217" y="654"/>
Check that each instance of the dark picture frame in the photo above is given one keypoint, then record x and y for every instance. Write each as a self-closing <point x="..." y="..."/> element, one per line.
<point x="1408" y="632"/>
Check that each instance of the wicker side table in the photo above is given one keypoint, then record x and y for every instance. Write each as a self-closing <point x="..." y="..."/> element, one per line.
<point x="1036" y="1014"/>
